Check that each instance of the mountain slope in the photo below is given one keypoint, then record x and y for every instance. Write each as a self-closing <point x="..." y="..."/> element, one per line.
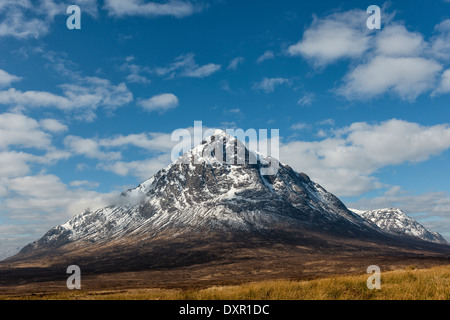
<point x="201" y="193"/>
<point x="395" y="221"/>
<point x="202" y="208"/>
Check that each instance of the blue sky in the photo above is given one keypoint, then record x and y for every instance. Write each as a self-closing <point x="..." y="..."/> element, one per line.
<point x="87" y="113"/>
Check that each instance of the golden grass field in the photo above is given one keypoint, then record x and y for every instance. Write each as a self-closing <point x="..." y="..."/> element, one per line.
<point x="408" y="284"/>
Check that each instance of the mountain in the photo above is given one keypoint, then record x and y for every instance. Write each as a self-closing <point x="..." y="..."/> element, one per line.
<point x="395" y="221"/>
<point x="201" y="193"/>
<point x="218" y="206"/>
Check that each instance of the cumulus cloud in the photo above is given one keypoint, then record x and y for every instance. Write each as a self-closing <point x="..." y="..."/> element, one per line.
<point x="137" y="78"/>
<point x="85" y="183"/>
<point x="6" y="79"/>
<point x="109" y="152"/>
<point x="392" y="60"/>
<point x="14" y="164"/>
<point x="396" y="40"/>
<point x="89" y="148"/>
<point x="142" y="169"/>
<point x="34" y="99"/>
<point x="33" y="19"/>
<point x="337" y="36"/>
<point x="53" y="125"/>
<point x="20" y="130"/>
<point x="46" y="201"/>
<point x="136" y="73"/>
<point x="150" y="141"/>
<point x="82" y="99"/>
<point x="15" y="24"/>
<point x="88" y="6"/>
<point x="99" y="92"/>
<point x="444" y="84"/>
<point x="345" y="161"/>
<point x="407" y="77"/>
<point x="440" y="42"/>
<point x="161" y="102"/>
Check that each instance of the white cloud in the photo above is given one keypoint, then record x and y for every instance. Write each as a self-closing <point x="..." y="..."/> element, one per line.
<point x="203" y="71"/>
<point x="327" y="122"/>
<point x="34" y="99"/>
<point x="444" y="85"/>
<point x="25" y="19"/>
<point x="89" y="148"/>
<point x="151" y="141"/>
<point x="337" y="36"/>
<point x="53" y="125"/>
<point x="59" y="62"/>
<point x="19" y="130"/>
<point x="15" y="24"/>
<point x="6" y="79"/>
<point x="45" y="201"/>
<point x="135" y="71"/>
<point x="46" y="186"/>
<point x="268" y="84"/>
<point x="393" y="60"/>
<point x="161" y="102"/>
<point x="407" y="77"/>
<point x="14" y="164"/>
<point x="235" y="63"/>
<point x="175" y="8"/>
<point x="397" y="141"/>
<point x="440" y="43"/>
<point x="395" y="40"/>
<point x="88" y="6"/>
<point x="99" y="92"/>
<point x="142" y="169"/>
<point x="81" y="99"/>
<point x="85" y="183"/>
<point x="137" y="78"/>
<point x="267" y="55"/>
<point x="345" y="162"/>
<point x="185" y="66"/>
<point x="108" y="150"/>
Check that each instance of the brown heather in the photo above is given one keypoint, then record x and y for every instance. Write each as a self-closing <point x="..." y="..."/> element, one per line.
<point x="407" y="284"/>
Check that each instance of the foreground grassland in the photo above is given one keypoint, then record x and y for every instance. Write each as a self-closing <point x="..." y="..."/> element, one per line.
<point x="408" y="284"/>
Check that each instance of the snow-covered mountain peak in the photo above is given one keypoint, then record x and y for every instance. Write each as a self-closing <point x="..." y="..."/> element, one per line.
<point x="396" y="221"/>
<point x="221" y="133"/>
<point x="219" y="148"/>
